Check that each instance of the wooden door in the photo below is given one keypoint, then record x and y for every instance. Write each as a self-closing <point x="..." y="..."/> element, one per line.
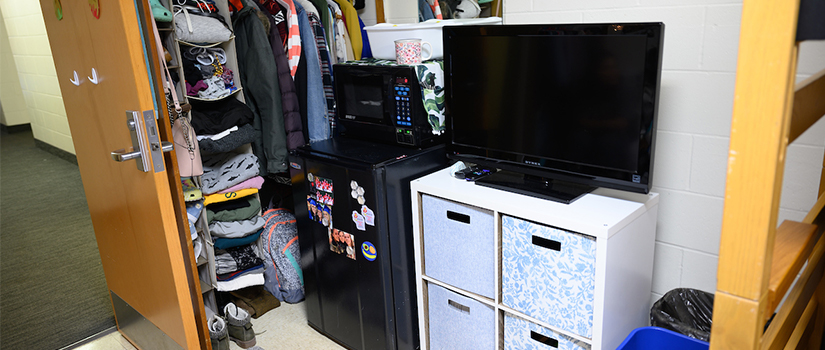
<point x="142" y="241"/>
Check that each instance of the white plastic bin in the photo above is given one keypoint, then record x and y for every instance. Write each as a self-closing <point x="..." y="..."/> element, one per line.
<point x="382" y="36"/>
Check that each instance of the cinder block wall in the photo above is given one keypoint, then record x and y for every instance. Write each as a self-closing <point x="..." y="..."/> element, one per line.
<point x="699" y="69"/>
<point x="14" y="111"/>
<point x="35" y="70"/>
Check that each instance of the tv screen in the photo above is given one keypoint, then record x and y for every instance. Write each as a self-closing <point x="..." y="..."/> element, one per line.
<point x="571" y="102"/>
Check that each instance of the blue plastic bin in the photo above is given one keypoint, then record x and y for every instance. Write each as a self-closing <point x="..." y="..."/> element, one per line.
<point x="646" y="338"/>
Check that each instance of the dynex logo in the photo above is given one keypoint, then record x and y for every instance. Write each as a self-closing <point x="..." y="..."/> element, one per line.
<point x="349" y="116"/>
<point x="532" y="162"/>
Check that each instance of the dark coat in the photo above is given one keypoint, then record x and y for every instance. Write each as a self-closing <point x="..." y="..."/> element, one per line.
<point x="289" y="97"/>
<point x="259" y="77"/>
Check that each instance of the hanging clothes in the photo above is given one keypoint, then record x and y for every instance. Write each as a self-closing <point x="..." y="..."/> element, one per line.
<point x="347" y="43"/>
<point x="425" y="12"/>
<point x="353" y="29"/>
<point x="326" y="69"/>
<point x="340" y="33"/>
<point x="366" y="51"/>
<point x="278" y="13"/>
<point x="309" y="7"/>
<point x="256" y="66"/>
<point x="326" y="18"/>
<point x="331" y="36"/>
<point x="316" y="102"/>
<point x="293" y="41"/>
<point x="289" y="98"/>
<point x="436" y="9"/>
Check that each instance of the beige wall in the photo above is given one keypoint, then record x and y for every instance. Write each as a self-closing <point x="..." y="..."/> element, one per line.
<point x="14" y="111"/>
<point x="26" y="35"/>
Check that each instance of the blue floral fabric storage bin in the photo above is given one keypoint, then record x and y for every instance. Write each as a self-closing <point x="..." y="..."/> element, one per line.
<point x="457" y="322"/>
<point x="549" y="274"/>
<point x="458" y="245"/>
<point x="521" y="334"/>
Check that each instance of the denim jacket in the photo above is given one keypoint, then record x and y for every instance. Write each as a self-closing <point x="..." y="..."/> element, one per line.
<point x="317" y="121"/>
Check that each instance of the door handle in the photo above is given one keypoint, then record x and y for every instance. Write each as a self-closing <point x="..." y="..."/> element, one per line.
<point x="146" y="142"/>
<point x="123" y="155"/>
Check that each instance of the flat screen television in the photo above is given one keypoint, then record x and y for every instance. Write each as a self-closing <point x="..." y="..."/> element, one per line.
<point x="560" y="108"/>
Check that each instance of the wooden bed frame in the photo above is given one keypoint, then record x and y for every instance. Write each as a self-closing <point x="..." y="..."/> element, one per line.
<point x="761" y="265"/>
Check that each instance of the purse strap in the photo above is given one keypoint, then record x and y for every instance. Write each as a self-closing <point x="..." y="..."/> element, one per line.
<point x="168" y="84"/>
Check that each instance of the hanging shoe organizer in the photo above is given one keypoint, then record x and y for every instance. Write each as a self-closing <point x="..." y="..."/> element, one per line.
<point x="191" y="49"/>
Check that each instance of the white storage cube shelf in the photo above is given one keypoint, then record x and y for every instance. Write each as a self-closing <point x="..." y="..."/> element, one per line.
<point x="552" y="275"/>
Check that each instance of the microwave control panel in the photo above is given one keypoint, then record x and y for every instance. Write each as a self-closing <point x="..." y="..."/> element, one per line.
<point x="403" y="114"/>
<point x="401" y="92"/>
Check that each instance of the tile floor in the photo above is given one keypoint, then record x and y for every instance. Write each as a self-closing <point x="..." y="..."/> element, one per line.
<point x="285" y="327"/>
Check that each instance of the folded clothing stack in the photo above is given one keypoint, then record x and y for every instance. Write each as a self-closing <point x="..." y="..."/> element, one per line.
<point x="222" y="125"/>
<point x="238" y="267"/>
<point x="235" y="222"/>
<point x="225" y="170"/>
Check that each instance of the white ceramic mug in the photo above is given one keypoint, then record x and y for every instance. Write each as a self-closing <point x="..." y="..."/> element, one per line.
<point x="409" y="51"/>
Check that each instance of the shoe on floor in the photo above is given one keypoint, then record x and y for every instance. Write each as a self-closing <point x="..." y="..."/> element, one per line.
<point x="218" y="333"/>
<point x="239" y="325"/>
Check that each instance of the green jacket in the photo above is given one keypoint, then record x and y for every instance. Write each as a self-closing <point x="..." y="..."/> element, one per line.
<point x="259" y="78"/>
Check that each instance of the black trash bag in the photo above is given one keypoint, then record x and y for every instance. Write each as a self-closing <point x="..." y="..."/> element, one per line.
<point x="685" y="311"/>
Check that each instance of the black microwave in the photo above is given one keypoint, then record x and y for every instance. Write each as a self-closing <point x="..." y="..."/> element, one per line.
<point x="381" y="103"/>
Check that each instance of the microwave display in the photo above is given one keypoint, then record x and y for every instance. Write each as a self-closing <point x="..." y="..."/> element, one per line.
<point x="364" y="97"/>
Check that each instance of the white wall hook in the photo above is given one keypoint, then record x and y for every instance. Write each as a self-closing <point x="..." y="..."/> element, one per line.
<point x="76" y="81"/>
<point x="94" y="78"/>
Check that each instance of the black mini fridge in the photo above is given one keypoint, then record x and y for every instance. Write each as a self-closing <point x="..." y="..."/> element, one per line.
<point x="352" y="203"/>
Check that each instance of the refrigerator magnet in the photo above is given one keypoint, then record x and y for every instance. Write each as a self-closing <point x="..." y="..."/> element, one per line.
<point x="323" y="184"/>
<point x="359" y="220"/>
<point x="369" y="215"/>
<point x="369" y="251"/>
<point x="341" y="242"/>
<point x="326" y="216"/>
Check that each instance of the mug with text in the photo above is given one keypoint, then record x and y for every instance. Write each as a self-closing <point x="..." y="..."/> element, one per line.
<point x="408" y="51"/>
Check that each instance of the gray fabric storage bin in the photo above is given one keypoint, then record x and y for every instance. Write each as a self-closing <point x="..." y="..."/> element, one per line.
<point x="459" y="245"/>
<point x="521" y="334"/>
<point x="457" y="322"/>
